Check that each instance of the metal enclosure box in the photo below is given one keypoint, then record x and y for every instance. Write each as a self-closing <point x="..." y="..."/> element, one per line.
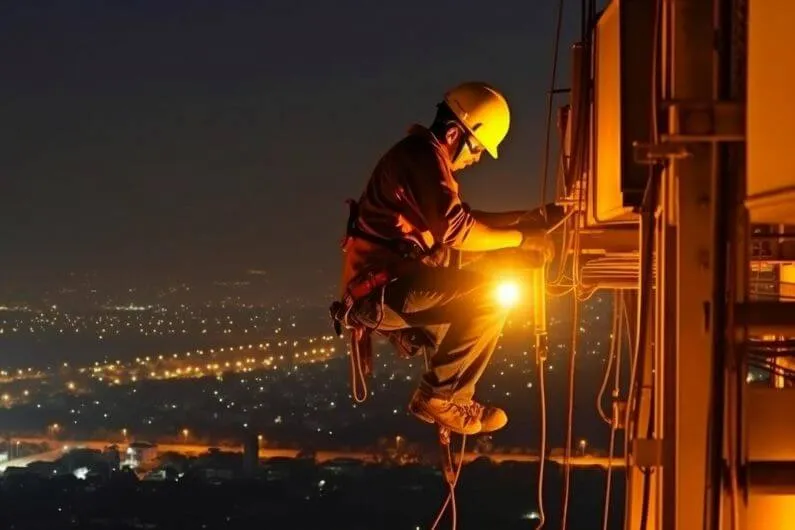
<point x="771" y="424"/>
<point x="622" y="66"/>
<point x="770" y="112"/>
<point x="770" y="429"/>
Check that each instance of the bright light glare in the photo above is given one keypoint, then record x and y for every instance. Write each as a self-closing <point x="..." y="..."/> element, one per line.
<point x="507" y="293"/>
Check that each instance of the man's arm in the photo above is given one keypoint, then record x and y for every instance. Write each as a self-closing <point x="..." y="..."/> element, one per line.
<point x="500" y="230"/>
<point x="499" y="219"/>
<point x="482" y="238"/>
<point x="450" y="222"/>
<point x="541" y="217"/>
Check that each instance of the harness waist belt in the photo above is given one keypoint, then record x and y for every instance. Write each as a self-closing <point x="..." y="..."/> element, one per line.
<point x="402" y="247"/>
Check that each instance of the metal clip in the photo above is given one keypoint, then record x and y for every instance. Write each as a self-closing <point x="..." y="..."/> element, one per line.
<point x="650" y="154"/>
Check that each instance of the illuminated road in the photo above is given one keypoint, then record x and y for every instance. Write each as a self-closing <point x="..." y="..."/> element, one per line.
<point x="23" y="462"/>
<point x="321" y="456"/>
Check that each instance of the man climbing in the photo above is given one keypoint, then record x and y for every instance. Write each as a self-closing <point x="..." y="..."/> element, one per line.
<point x="397" y="274"/>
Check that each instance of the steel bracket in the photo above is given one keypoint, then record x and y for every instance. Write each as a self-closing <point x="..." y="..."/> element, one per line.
<point x="649" y="154"/>
<point x="693" y="122"/>
<point x="705" y="121"/>
<point x="619" y="414"/>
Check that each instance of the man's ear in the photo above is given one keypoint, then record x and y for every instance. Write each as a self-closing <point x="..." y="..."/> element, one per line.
<point x="452" y="136"/>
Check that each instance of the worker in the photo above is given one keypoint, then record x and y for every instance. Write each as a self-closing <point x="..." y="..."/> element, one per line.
<point x="397" y="272"/>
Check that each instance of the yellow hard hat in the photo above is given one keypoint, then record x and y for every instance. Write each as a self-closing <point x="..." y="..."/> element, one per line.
<point x="483" y="111"/>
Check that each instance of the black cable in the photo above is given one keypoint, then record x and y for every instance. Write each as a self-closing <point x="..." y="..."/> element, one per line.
<point x="550" y="101"/>
<point x="725" y="212"/>
<point x="575" y="327"/>
<point x="644" y="295"/>
<point x="649" y="209"/>
<point x="620" y="311"/>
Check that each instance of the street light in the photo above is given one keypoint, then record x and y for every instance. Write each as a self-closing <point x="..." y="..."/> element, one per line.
<point x="53" y="429"/>
<point x="583" y="446"/>
<point x="185" y="433"/>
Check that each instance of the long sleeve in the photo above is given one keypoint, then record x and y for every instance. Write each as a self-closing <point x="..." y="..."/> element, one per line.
<point x="434" y="190"/>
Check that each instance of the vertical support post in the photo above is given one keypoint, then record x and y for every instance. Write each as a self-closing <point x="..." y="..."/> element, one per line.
<point x="644" y="471"/>
<point x="667" y="346"/>
<point x="693" y="65"/>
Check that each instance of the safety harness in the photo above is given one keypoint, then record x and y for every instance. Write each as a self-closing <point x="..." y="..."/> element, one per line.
<point x="343" y="316"/>
<point x="342" y="311"/>
<point x="409" y="344"/>
<point x="401" y="247"/>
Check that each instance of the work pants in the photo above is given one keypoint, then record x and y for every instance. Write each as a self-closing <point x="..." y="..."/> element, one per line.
<point x="458" y="309"/>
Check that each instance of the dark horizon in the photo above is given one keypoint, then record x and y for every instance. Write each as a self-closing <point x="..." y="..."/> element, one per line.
<point x="186" y="140"/>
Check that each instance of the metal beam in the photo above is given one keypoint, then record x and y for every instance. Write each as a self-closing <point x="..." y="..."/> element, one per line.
<point x="610" y="240"/>
<point x="692" y="69"/>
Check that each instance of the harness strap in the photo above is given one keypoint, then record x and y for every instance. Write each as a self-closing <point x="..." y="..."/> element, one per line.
<point x="402" y="247"/>
<point x="361" y="345"/>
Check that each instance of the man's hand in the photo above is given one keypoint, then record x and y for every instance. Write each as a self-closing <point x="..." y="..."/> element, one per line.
<point x="537" y="241"/>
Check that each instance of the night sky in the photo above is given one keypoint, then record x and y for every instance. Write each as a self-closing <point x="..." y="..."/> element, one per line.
<point x="192" y="139"/>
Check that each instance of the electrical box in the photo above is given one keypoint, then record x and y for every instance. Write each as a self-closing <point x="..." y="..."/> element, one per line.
<point x="770" y="113"/>
<point x="622" y="69"/>
<point x="770" y="438"/>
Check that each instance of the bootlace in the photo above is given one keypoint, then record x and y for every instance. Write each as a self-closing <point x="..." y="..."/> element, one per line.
<point x="472" y="409"/>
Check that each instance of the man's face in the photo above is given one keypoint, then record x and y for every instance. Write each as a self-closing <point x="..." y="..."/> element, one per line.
<point x="470" y="151"/>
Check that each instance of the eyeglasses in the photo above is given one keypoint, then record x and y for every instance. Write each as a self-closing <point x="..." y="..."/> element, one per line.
<point x="474" y="146"/>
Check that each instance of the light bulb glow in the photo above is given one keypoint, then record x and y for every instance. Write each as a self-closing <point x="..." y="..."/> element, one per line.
<point x="507" y="293"/>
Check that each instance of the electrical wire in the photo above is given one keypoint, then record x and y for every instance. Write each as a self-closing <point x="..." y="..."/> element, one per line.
<point x="644" y="292"/>
<point x="572" y="247"/>
<point x="550" y="101"/>
<point x="543" y="445"/>
<point x="561" y="222"/>
<point x="450" y="500"/>
<point x="577" y="281"/>
<point x="615" y="340"/>
<point x="632" y="427"/>
<point x="575" y="326"/>
<point x="620" y="309"/>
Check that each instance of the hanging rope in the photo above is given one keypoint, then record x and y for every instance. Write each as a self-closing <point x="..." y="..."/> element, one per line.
<point x="621" y="318"/>
<point x="357" y="331"/>
<point x="358" y="379"/>
<point x="550" y="101"/>
<point x="570" y="416"/>
<point x="615" y="341"/>
<point x="451" y="475"/>
<point x="541" y="359"/>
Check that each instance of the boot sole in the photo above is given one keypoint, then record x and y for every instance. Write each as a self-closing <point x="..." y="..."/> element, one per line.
<point x="427" y="418"/>
<point x="417" y="412"/>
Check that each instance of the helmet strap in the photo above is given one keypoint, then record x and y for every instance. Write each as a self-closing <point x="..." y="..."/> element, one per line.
<point x="462" y="142"/>
<point x="439" y="130"/>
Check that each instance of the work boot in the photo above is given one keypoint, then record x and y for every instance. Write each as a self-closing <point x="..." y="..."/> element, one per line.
<point x="491" y="418"/>
<point x="457" y="418"/>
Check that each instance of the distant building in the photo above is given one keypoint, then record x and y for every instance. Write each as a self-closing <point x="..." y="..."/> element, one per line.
<point x="279" y="468"/>
<point x="112" y="456"/>
<point x="217" y="466"/>
<point x="250" y="455"/>
<point x="43" y="469"/>
<point x="343" y="466"/>
<point x="140" y="453"/>
<point x="80" y="457"/>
